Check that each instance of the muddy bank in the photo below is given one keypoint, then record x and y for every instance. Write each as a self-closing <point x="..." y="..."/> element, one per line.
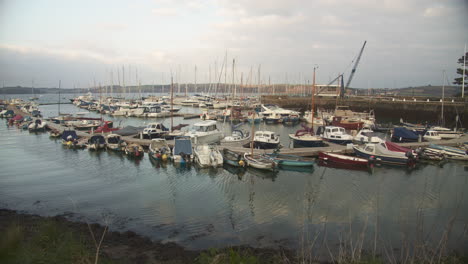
<point x="128" y="247"/>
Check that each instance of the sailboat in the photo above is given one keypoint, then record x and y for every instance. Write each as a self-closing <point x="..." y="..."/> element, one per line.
<point x="258" y="161"/>
<point x="445" y="133"/>
<point x="33" y="94"/>
<point x="305" y="137"/>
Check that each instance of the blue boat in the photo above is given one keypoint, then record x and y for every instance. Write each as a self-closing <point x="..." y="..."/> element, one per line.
<point x="305" y="138"/>
<point x="402" y="134"/>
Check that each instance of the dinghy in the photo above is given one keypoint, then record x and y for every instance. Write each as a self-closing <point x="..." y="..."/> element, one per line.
<point x="159" y="150"/>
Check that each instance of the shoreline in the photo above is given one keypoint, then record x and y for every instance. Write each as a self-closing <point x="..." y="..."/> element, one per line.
<point x="129" y="247"/>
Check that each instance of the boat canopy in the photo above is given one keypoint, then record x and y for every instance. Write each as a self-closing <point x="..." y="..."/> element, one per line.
<point x="113" y="138"/>
<point x="402" y="132"/>
<point x="394" y="147"/>
<point x="129" y="130"/>
<point x="183" y="145"/>
<point x="69" y="134"/>
<point x="97" y="139"/>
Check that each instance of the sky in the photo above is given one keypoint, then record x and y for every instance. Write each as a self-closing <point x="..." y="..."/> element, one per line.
<point x="86" y="42"/>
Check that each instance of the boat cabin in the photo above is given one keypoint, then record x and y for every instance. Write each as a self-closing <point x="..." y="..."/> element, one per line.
<point x="266" y="136"/>
<point x="205" y="126"/>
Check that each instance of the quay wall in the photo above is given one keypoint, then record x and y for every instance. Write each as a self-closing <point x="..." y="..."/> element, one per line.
<point x="386" y="110"/>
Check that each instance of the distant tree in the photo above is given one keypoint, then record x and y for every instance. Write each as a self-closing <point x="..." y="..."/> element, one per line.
<point x="458" y="81"/>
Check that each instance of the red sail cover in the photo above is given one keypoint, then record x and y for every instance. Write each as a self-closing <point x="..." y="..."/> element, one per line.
<point x="394" y="147"/>
<point x="105" y="128"/>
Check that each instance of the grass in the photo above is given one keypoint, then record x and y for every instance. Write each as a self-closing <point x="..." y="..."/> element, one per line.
<point x="47" y="242"/>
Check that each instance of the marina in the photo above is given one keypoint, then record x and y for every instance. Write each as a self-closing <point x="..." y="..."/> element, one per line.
<point x="179" y="202"/>
<point x="240" y="132"/>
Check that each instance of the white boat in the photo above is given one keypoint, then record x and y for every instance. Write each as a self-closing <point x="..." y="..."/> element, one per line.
<point x="37" y="126"/>
<point x="236" y="136"/>
<point x="266" y="140"/>
<point x="270" y="110"/>
<point x="207" y="156"/>
<point x="446" y="133"/>
<point x="155" y="130"/>
<point x="335" y="134"/>
<point x="317" y="119"/>
<point x="205" y="132"/>
<point x="366" y="135"/>
<point x="381" y="153"/>
<point x="448" y="152"/>
<point x="432" y="135"/>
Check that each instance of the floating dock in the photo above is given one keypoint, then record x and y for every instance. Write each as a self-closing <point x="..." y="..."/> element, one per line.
<point x="237" y="147"/>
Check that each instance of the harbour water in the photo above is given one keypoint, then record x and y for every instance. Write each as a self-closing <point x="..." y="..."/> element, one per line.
<point x="202" y="208"/>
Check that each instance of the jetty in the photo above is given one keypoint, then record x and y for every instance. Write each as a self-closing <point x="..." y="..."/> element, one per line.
<point x="237" y="147"/>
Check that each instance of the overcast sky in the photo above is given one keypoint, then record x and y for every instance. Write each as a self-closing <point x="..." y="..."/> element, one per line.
<point x="409" y="42"/>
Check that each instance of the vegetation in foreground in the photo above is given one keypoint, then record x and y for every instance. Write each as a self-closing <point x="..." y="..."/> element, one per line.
<point x="48" y="240"/>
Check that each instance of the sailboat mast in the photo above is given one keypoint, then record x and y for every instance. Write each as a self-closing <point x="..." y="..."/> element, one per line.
<point x="59" y="96"/>
<point x="443" y="97"/>
<point x="463" y="75"/>
<point x="172" y="102"/>
<point x="313" y="101"/>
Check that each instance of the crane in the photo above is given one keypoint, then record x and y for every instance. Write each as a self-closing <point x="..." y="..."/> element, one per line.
<point x="355" y="66"/>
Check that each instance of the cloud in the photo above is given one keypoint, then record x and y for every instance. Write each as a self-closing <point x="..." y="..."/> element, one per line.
<point x="435" y="11"/>
<point x="112" y="26"/>
<point x="164" y="11"/>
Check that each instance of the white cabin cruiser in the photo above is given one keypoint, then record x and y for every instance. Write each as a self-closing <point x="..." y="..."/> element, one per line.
<point x="366" y="135"/>
<point x="335" y="134"/>
<point x="432" y="135"/>
<point x="155" y="130"/>
<point x="205" y="132"/>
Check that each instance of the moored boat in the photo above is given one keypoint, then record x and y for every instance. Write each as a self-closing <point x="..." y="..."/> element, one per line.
<point x="37" y="126"/>
<point x="134" y="150"/>
<point x="284" y="160"/>
<point x="159" y="150"/>
<point x="96" y="142"/>
<point x="206" y="155"/>
<point x="265" y="140"/>
<point x="260" y="162"/>
<point x="402" y="134"/>
<point x="305" y="138"/>
<point x="381" y="154"/>
<point x="343" y="159"/>
<point x="182" y="152"/>
<point x="335" y="135"/>
<point x="114" y="142"/>
<point x="445" y="151"/>
<point x="233" y="158"/>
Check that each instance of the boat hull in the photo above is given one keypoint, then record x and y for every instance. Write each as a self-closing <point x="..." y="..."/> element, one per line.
<point x="343" y="159"/>
<point x="383" y="159"/>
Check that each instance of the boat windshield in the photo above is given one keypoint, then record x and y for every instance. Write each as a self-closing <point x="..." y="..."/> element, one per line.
<point x="369" y="149"/>
<point x="204" y="128"/>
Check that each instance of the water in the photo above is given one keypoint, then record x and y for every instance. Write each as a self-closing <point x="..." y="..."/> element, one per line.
<point x="221" y="207"/>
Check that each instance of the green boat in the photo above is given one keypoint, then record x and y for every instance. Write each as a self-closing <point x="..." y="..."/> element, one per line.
<point x="284" y="160"/>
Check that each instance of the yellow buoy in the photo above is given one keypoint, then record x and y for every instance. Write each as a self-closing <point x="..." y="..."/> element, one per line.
<point x="164" y="157"/>
<point x="241" y="163"/>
